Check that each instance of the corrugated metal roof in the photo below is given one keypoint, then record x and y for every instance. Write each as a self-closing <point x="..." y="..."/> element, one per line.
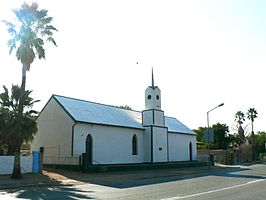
<point x="176" y="126"/>
<point x="90" y="112"/>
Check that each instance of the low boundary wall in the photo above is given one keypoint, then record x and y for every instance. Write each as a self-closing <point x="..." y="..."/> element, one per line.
<point x="28" y="164"/>
<point x="7" y="162"/>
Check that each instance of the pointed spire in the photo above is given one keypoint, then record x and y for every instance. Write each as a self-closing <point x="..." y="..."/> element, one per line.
<point x="152" y="79"/>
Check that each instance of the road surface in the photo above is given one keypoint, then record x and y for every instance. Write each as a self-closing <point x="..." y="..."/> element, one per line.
<point x="247" y="182"/>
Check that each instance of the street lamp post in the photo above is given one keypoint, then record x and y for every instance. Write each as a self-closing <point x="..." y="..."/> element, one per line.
<point x="208" y="125"/>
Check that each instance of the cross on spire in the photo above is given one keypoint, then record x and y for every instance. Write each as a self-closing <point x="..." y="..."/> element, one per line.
<point x="152" y="79"/>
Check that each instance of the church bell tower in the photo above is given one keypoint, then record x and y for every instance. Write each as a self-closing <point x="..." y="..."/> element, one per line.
<point x="153" y="96"/>
<point x="153" y="115"/>
<point x="156" y="133"/>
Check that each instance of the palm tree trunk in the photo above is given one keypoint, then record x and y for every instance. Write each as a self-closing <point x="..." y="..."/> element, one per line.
<point x="16" y="169"/>
<point x="253" y="143"/>
<point x="22" y="91"/>
<point x="10" y="150"/>
<point x="253" y="146"/>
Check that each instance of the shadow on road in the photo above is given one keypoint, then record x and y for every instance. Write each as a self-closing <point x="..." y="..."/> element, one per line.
<point x="241" y="176"/>
<point x="45" y="193"/>
<point x="124" y="180"/>
<point x="128" y="179"/>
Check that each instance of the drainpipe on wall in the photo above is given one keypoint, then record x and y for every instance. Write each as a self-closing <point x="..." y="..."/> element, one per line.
<point x="72" y="138"/>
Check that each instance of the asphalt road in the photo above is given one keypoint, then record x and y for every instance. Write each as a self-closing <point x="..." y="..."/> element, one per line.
<point x="248" y="182"/>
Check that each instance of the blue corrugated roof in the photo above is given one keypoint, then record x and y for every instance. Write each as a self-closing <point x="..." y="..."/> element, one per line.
<point x="90" y="112"/>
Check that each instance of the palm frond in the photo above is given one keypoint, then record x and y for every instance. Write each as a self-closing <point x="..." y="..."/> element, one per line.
<point x="252" y="114"/>
<point x="41" y="14"/>
<point x="38" y="45"/>
<point x="40" y="51"/>
<point x="50" y="39"/>
<point x="10" y="123"/>
<point x="50" y="27"/>
<point x="11" y="27"/>
<point x="46" y="20"/>
<point x="15" y="96"/>
<point x="11" y="43"/>
<point x="32" y="113"/>
<point x="4" y="98"/>
<point x="28" y="36"/>
<point x="25" y="54"/>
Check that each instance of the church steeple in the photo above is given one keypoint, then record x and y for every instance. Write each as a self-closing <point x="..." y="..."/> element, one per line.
<point x="152" y="79"/>
<point x="156" y="133"/>
<point x="152" y="96"/>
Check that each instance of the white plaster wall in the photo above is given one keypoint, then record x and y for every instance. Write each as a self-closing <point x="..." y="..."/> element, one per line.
<point x="152" y="103"/>
<point x="179" y="147"/>
<point x="159" y="141"/>
<point x="111" y="145"/>
<point x="147" y="117"/>
<point x="156" y="115"/>
<point x="159" y="118"/>
<point x="7" y="162"/>
<point x="54" y="134"/>
<point x="147" y="144"/>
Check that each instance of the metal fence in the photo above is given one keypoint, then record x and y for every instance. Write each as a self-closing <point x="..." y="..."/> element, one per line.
<point x="51" y="160"/>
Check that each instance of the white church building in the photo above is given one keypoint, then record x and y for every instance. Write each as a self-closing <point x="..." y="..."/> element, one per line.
<point x="69" y="127"/>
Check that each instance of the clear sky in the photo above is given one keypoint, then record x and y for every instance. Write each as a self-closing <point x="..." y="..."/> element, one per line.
<point x="204" y="52"/>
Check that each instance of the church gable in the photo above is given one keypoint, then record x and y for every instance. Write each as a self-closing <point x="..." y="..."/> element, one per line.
<point x="54" y="130"/>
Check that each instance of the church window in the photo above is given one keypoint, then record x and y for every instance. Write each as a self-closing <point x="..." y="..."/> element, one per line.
<point x="149" y="96"/>
<point x="157" y="97"/>
<point x="190" y="151"/>
<point x="134" y="145"/>
<point x="89" y="148"/>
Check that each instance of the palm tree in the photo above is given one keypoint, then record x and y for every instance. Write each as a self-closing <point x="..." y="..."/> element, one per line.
<point x="240" y="118"/>
<point x="252" y="114"/>
<point x="27" y="39"/>
<point x="9" y="104"/>
<point x="3" y="139"/>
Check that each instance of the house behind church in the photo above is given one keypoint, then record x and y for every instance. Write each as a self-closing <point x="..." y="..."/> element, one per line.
<point x="68" y="127"/>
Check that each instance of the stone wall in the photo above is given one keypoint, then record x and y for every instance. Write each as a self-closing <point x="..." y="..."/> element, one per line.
<point x="227" y="157"/>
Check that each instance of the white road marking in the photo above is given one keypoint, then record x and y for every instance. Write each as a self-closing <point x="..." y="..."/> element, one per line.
<point x="217" y="190"/>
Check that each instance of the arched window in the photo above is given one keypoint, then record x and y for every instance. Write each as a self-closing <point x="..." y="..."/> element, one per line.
<point x="190" y="151"/>
<point x="89" y="148"/>
<point x="134" y="145"/>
